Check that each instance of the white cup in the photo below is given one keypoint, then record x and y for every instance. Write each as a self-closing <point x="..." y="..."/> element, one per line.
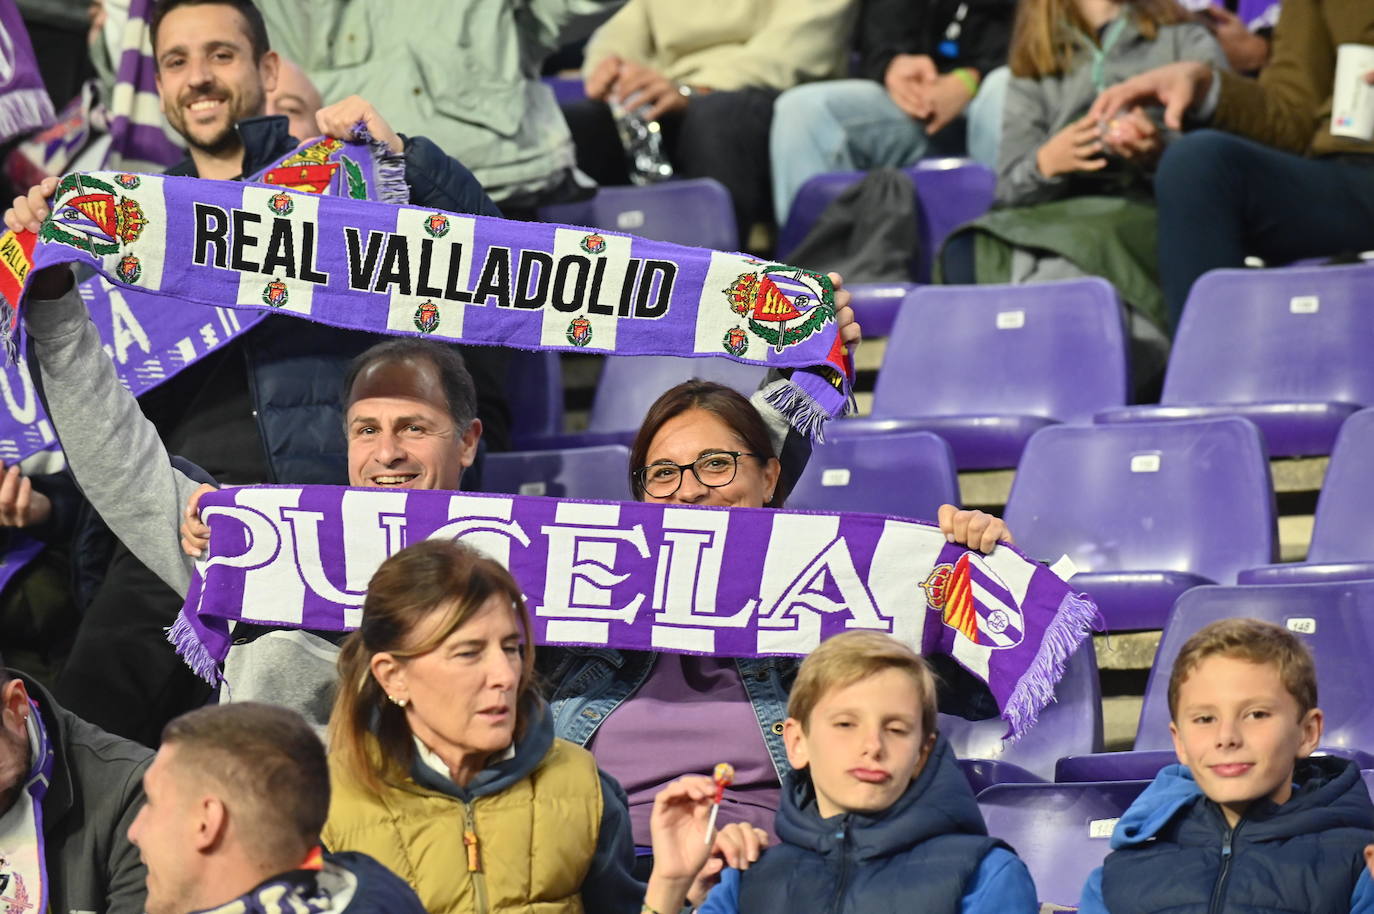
<point x="1352" y="99"/>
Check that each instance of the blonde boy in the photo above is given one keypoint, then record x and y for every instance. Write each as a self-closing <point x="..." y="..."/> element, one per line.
<point x="1246" y="821"/>
<point x="877" y="815"/>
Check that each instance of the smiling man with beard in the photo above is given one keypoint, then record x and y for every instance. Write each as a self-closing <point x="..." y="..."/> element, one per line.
<point x="68" y="793"/>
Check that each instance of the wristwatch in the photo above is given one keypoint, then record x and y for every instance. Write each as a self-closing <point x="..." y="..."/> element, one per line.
<point x="685" y="91"/>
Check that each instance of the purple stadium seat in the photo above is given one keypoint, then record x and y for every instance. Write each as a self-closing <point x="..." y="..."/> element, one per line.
<point x="983" y="773"/>
<point x="694" y="211"/>
<point x="1285" y="348"/>
<point x="1335" y="620"/>
<point x="985" y="367"/>
<point x="877" y="304"/>
<point x="949" y="192"/>
<point x="1144" y="764"/>
<point x="1342" y="547"/>
<point x="534" y="390"/>
<point x="1061" y="831"/>
<point x="589" y="472"/>
<point x="906" y="474"/>
<point x="1145" y="510"/>
<point x="566" y="89"/>
<point x="1071" y="725"/>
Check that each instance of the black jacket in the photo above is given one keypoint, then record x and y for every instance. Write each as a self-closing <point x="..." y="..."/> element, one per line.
<point x="96" y="791"/>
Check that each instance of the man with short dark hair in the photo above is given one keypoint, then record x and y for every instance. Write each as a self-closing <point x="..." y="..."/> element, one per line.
<point x="237" y="797"/>
<point x="68" y="792"/>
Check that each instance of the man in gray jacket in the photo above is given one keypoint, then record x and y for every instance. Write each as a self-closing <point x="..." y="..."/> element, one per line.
<point x="70" y="791"/>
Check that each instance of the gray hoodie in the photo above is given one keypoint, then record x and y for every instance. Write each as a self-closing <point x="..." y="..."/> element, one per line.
<point x="1037" y="109"/>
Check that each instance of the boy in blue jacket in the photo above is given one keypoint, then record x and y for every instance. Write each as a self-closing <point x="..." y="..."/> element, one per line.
<point x="876" y="817"/>
<point x="1247" y="821"/>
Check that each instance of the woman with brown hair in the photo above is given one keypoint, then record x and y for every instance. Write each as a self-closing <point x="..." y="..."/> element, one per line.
<point x="650" y="718"/>
<point x="442" y="754"/>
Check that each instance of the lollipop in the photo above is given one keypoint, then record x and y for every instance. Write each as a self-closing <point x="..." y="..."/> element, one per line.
<point x="724" y="776"/>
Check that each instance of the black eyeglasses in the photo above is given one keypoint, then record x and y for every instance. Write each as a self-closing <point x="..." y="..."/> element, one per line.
<point x="712" y="470"/>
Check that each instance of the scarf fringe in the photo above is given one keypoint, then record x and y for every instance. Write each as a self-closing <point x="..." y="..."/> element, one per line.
<point x="1035" y="689"/>
<point x="800" y="408"/>
<point x="391" y="168"/>
<point x="182" y="636"/>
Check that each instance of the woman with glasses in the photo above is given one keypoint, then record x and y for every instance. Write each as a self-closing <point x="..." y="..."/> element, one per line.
<point x="649" y="718"/>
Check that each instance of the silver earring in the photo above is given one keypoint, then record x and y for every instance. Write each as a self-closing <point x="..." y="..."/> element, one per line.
<point x="398" y="702"/>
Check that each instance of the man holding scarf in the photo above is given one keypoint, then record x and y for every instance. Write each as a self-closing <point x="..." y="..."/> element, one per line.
<point x="236" y="799"/>
<point x="261" y="409"/>
<point x="68" y="793"/>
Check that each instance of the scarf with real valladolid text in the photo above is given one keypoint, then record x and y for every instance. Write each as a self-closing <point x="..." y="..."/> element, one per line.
<point x="735" y="582"/>
<point x="152" y="337"/>
<point x="410" y="271"/>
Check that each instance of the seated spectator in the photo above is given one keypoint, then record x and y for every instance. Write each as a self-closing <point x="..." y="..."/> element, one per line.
<point x="68" y="792"/>
<point x="1269" y="179"/>
<point x="701" y="443"/>
<point x="876" y="815"/>
<point x="443" y="755"/>
<point x="1246" y="821"/>
<point x="927" y="65"/>
<point x="236" y="799"/>
<point x="470" y="77"/>
<point x="709" y="74"/>
<point x="1073" y="191"/>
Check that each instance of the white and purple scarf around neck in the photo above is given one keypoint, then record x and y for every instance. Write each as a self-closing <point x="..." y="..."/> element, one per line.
<point x="24" y="102"/>
<point x="405" y="270"/>
<point x="151" y="337"/>
<point x="23" y="862"/>
<point x="737" y="582"/>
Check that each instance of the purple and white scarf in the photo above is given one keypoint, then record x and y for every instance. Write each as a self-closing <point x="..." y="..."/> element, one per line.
<point x="736" y="582"/>
<point x="421" y="272"/>
<point x="24" y="102"/>
<point x="23" y="863"/>
<point x="151" y="337"/>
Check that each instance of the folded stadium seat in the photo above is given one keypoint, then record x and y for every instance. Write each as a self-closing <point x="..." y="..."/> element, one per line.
<point x="949" y="192"/>
<point x="1145" y="510"/>
<point x="534" y="391"/>
<point x="589" y="472"/>
<point x="1142" y="764"/>
<point x="1061" y="831"/>
<point x="566" y="89"/>
<point x="908" y="474"/>
<point x="1286" y="348"/>
<point x="1342" y="547"/>
<point x="1335" y="620"/>
<point x="1070" y="725"/>
<point x="693" y="211"/>
<point x="985" y="367"/>
<point x="877" y="304"/>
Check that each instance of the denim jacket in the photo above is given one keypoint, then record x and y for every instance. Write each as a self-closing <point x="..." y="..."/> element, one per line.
<point x="585" y="684"/>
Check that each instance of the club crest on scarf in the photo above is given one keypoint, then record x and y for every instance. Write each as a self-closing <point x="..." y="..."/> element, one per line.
<point x="974" y="602"/>
<point x="281" y="204"/>
<point x="14" y="897"/>
<point x="580" y="331"/>
<point x="436" y="226"/>
<point x="129" y="269"/>
<point x="275" y="293"/>
<point x="593" y="243"/>
<point x="90" y="215"/>
<point x="783" y="305"/>
<point x="427" y="317"/>
<point x="736" y="341"/>
<point x="127" y="181"/>
<point x="309" y="169"/>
